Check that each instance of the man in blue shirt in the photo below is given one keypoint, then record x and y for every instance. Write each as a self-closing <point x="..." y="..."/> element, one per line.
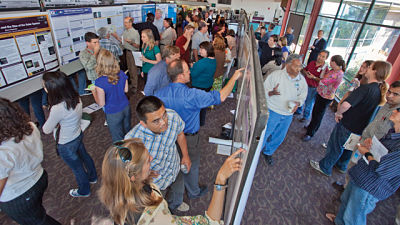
<point x="188" y="102"/>
<point x="157" y="76"/>
<point x="289" y="36"/>
<point x="160" y="129"/>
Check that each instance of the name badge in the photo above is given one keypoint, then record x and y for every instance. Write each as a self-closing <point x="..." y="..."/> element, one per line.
<point x="319" y="70"/>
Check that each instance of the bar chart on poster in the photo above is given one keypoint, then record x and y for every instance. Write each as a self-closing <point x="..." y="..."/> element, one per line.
<point x="27" y="48"/>
<point x="69" y="28"/>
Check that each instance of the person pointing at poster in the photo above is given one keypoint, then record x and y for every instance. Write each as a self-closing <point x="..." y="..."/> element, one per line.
<point x="130" y="41"/>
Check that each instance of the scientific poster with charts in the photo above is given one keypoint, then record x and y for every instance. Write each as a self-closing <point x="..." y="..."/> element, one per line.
<point x="134" y="11"/>
<point x="111" y="17"/>
<point x="69" y="28"/>
<point x="27" y="48"/>
<point x="49" y="3"/>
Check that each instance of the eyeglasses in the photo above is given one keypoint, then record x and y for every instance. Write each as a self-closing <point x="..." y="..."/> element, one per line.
<point x="124" y="153"/>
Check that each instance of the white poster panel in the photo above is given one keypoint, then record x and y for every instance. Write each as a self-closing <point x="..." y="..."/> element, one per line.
<point x="134" y="11"/>
<point x="14" y="73"/>
<point x="110" y="17"/>
<point x="46" y="46"/>
<point x="27" y="44"/>
<point x="33" y="63"/>
<point x="2" y="80"/>
<point x="9" y="52"/>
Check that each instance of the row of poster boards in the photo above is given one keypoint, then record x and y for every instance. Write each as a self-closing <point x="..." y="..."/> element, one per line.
<point x="6" y="4"/>
<point x="33" y="43"/>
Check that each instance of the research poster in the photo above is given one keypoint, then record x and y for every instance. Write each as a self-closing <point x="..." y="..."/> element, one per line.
<point x="69" y="28"/>
<point x="27" y="48"/>
<point x="19" y="4"/>
<point x="111" y="17"/>
<point x="172" y="10"/>
<point x="148" y="9"/>
<point x="134" y="11"/>
<point x="70" y="2"/>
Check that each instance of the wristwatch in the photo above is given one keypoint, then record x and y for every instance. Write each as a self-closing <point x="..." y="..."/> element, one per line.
<point x="220" y="187"/>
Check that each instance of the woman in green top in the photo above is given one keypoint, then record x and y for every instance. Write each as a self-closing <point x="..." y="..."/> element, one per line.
<point x="150" y="51"/>
<point x="202" y="72"/>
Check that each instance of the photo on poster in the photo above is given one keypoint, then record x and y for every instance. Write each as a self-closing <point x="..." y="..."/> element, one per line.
<point x="33" y="64"/>
<point x="14" y="73"/>
<point x="27" y="44"/>
<point x="9" y="52"/>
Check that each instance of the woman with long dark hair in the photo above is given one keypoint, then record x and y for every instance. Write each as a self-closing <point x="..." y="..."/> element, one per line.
<point x="23" y="180"/>
<point x="131" y="197"/>
<point x="65" y="115"/>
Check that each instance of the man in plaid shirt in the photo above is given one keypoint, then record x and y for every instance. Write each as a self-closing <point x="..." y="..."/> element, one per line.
<point x="106" y="43"/>
<point x="160" y="128"/>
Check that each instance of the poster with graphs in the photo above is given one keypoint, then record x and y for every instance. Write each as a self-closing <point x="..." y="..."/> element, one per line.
<point x="69" y="28"/>
<point x="27" y="48"/>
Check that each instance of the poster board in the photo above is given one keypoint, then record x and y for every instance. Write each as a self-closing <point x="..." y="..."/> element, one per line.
<point x="168" y="11"/>
<point x="27" y="48"/>
<point x="151" y="8"/>
<point x="111" y="17"/>
<point x="69" y="27"/>
<point x="4" y="4"/>
<point x="134" y="11"/>
<point x="53" y="3"/>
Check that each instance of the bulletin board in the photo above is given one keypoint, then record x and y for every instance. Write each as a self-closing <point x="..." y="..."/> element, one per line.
<point x="134" y="11"/>
<point x="27" y="48"/>
<point x="69" y="27"/>
<point x="111" y="17"/>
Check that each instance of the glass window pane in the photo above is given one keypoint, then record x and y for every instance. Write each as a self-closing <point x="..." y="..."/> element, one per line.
<point x="354" y="9"/>
<point x="293" y="6"/>
<point x="342" y="38"/>
<point x="324" y="24"/>
<point x="329" y="7"/>
<point x="301" y="7"/>
<point x="385" y="12"/>
<point x="310" y="5"/>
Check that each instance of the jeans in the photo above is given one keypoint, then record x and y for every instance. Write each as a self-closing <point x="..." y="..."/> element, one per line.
<point x="119" y="123"/>
<point x="356" y="203"/>
<point x="175" y="192"/>
<point x="81" y="81"/>
<point x="192" y="178"/>
<point x="309" y="103"/>
<point x="277" y="128"/>
<point x="317" y="114"/>
<point x="75" y="156"/>
<point x="27" y="209"/>
<point x="35" y="99"/>
<point x="335" y="153"/>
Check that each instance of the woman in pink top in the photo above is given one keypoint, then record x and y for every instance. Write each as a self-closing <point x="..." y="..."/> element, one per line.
<point x="326" y="93"/>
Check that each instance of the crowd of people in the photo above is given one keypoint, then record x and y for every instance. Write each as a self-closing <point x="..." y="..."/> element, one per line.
<point x="160" y="157"/>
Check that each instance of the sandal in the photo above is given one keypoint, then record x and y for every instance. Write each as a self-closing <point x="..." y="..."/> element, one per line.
<point x="330" y="216"/>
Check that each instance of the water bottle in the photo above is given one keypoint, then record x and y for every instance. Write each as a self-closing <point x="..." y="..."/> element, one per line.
<point x="184" y="169"/>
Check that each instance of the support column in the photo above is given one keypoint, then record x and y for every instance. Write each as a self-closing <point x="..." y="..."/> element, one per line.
<point x="311" y="25"/>
<point x="394" y="59"/>
<point x="285" y="17"/>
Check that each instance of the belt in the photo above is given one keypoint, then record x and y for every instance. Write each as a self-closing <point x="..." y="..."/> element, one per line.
<point x="191" y="134"/>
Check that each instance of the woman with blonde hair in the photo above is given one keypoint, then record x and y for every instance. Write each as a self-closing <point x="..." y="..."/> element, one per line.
<point x="352" y="116"/>
<point x="150" y="51"/>
<point x="131" y="197"/>
<point x="109" y="93"/>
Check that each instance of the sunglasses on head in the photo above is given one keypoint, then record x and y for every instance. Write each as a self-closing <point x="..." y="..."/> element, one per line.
<point x="124" y="153"/>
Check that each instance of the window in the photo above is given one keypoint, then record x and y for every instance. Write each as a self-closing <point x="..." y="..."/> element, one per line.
<point x="329" y="8"/>
<point x="354" y="10"/>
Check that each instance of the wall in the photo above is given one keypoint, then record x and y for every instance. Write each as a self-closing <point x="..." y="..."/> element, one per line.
<point x="265" y="8"/>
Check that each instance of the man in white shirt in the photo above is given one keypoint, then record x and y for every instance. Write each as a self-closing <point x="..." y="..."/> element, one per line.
<point x="285" y="91"/>
<point x="158" y="21"/>
<point x="199" y="37"/>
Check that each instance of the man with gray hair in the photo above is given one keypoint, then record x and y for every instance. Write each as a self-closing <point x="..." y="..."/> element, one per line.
<point x="198" y="38"/>
<point x="285" y="91"/>
<point x="158" y="21"/>
<point x="105" y="42"/>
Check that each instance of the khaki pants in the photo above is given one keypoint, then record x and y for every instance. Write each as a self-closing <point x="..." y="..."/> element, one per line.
<point x="130" y="61"/>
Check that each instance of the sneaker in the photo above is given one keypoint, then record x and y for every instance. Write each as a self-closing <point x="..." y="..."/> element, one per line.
<point x="86" y="93"/>
<point x="74" y="193"/>
<point x="93" y="182"/>
<point x="306" y="137"/>
<point x="203" y="191"/>
<point x="340" y="170"/>
<point x="324" y="145"/>
<point x="315" y="165"/>
<point x="183" y="207"/>
<point x="105" y="123"/>
<point x="302" y="120"/>
<point x="268" y="159"/>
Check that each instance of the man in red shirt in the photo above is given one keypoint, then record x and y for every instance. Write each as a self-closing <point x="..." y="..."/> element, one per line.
<point x="317" y="68"/>
<point x="183" y="43"/>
